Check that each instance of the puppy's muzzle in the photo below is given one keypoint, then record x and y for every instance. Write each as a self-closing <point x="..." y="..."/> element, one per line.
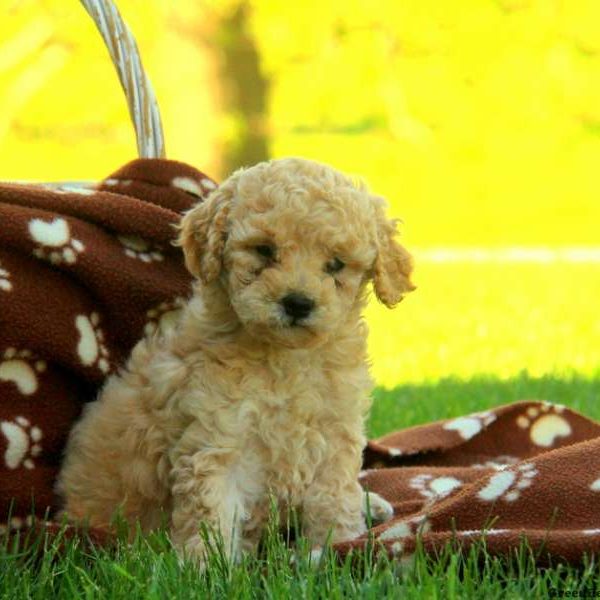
<point x="297" y="306"/>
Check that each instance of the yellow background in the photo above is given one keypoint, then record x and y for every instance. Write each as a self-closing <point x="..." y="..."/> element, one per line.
<point x="479" y="120"/>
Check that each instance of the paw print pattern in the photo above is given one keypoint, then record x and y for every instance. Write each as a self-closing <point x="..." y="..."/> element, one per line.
<point x="16" y="524"/>
<point x="21" y="368"/>
<point x="545" y="424"/>
<point x="54" y="241"/>
<point x="69" y="188"/>
<point x="191" y="186"/>
<point x="91" y="349"/>
<point x="22" y="443"/>
<point x="508" y="484"/>
<point x="406" y="529"/>
<point x="163" y="316"/>
<point x="432" y="487"/>
<point x="5" y="284"/>
<point x="499" y="462"/>
<point x="112" y="182"/>
<point x="138" y="248"/>
<point x="471" y="425"/>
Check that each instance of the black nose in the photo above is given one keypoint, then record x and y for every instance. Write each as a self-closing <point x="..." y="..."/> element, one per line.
<point x="297" y="306"/>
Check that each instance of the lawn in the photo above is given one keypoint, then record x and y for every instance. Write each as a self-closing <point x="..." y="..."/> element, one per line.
<point x="475" y="335"/>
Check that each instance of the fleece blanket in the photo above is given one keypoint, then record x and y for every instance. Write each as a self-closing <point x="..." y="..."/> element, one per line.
<point x="528" y="470"/>
<point x="86" y="272"/>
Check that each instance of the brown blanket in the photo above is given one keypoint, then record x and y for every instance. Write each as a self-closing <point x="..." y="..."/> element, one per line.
<point x="85" y="273"/>
<point x="526" y="470"/>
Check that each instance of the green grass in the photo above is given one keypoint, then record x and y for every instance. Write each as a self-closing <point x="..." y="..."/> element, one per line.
<point x="413" y="404"/>
<point x="149" y="568"/>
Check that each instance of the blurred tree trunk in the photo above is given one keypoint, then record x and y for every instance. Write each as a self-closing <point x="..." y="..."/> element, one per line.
<point x="246" y="91"/>
<point x="239" y="88"/>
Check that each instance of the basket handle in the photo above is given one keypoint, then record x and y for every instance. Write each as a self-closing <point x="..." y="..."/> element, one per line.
<point x="124" y="53"/>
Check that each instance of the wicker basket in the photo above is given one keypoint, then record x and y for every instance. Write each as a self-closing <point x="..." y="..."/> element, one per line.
<point x="124" y="53"/>
<point x="143" y="108"/>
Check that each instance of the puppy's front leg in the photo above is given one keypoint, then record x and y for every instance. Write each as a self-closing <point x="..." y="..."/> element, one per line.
<point x="203" y="493"/>
<point x="334" y="503"/>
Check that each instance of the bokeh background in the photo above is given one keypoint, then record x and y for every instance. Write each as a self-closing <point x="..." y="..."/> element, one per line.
<point x="479" y="120"/>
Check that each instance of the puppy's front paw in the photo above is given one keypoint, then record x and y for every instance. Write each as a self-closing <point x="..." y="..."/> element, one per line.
<point x="378" y="508"/>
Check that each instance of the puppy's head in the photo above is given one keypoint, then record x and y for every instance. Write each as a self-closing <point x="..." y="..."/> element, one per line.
<point x="294" y="243"/>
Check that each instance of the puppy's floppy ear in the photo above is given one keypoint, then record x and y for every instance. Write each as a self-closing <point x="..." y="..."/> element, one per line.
<point x="203" y="232"/>
<point x="393" y="264"/>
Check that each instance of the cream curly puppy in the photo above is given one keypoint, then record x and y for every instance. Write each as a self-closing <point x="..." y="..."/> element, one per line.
<point x="262" y="387"/>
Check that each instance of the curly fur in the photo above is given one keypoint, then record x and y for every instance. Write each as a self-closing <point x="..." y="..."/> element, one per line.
<point x="236" y="403"/>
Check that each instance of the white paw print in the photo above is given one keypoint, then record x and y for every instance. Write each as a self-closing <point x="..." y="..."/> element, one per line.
<point x="508" y="484"/>
<point x="55" y="241"/>
<point x="406" y="529"/>
<point x="75" y="189"/>
<point x="471" y="425"/>
<point x="5" y="284"/>
<point x="434" y="487"/>
<point x="90" y="348"/>
<point x="187" y="184"/>
<point x="545" y="424"/>
<point x="16" y="523"/>
<point x="22" y="443"/>
<point x="164" y="316"/>
<point x="111" y="182"/>
<point x="395" y="451"/>
<point x="499" y="462"/>
<point x="21" y="368"/>
<point x="69" y="188"/>
<point x="138" y="248"/>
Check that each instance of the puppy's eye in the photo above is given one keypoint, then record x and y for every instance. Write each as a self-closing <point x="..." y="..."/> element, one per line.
<point x="265" y="250"/>
<point x="334" y="266"/>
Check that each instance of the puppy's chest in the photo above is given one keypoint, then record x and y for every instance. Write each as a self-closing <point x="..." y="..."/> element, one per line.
<point x="287" y="429"/>
<point x="296" y="385"/>
<point x="287" y="447"/>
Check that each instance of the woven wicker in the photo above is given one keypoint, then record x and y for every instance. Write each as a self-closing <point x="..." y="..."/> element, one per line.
<point x="124" y="53"/>
<point x="143" y="108"/>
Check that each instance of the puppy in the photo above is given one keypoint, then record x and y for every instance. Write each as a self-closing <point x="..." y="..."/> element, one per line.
<point x="262" y="387"/>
